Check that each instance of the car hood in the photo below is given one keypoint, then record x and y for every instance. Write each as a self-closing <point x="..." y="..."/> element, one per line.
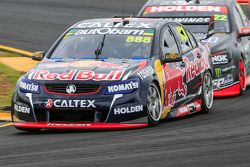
<point x="87" y="71"/>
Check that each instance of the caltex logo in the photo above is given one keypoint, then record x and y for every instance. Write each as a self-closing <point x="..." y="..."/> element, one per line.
<point x="49" y="104"/>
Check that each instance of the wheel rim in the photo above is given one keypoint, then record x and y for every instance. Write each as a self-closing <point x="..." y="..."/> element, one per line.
<point x="242" y="75"/>
<point x="208" y="90"/>
<point x="154" y="103"/>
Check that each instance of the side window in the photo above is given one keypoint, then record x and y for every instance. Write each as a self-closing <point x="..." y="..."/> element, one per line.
<point x="183" y="38"/>
<point x="192" y="39"/>
<point x="238" y="19"/>
<point x="168" y="42"/>
<point x="243" y="15"/>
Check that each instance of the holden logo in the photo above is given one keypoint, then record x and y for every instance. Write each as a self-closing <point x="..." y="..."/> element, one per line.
<point x="48" y="104"/>
<point x="71" y="89"/>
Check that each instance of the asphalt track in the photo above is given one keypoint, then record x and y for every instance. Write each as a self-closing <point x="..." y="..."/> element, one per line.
<point x="221" y="138"/>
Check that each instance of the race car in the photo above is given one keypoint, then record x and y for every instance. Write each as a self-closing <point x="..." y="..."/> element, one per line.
<point x="229" y="42"/>
<point x="115" y="74"/>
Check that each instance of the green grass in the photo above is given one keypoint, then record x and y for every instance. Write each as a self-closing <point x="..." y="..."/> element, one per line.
<point x="8" y="78"/>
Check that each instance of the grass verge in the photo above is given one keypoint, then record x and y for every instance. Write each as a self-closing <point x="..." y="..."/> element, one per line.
<point x="8" y="78"/>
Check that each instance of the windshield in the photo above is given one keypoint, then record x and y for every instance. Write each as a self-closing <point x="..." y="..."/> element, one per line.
<point x="118" y="43"/>
<point x="196" y="18"/>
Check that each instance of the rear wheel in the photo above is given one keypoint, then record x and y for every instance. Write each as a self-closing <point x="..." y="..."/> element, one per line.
<point x="242" y="76"/>
<point x="154" y="105"/>
<point x="207" y="92"/>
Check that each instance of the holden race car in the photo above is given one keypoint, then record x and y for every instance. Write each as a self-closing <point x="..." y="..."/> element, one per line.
<point x="115" y="74"/>
<point x="228" y="40"/>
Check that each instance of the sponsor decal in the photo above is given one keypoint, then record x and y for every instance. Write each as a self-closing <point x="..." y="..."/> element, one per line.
<point x="189" y="109"/>
<point x="212" y="40"/>
<point x="111" y="25"/>
<point x="102" y="31"/>
<point x="124" y="87"/>
<point x="71" y="89"/>
<point x="144" y="73"/>
<point x="81" y="75"/>
<point x="196" y="67"/>
<point x="167" y="2"/>
<point x="159" y="9"/>
<point x="128" y="110"/>
<point x="61" y="124"/>
<point x="27" y="86"/>
<point x="228" y="68"/>
<point x="174" y="86"/>
<point x="189" y="20"/>
<point x="220" y="59"/>
<point x="218" y="72"/>
<point x="223" y="82"/>
<point x="22" y="109"/>
<point x="69" y="104"/>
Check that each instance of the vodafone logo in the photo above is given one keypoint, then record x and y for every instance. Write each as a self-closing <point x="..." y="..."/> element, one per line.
<point x="49" y="104"/>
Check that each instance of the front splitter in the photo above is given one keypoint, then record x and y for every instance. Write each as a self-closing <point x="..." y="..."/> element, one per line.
<point x="77" y="126"/>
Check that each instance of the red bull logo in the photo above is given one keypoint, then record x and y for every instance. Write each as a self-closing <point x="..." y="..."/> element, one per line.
<point x="174" y="84"/>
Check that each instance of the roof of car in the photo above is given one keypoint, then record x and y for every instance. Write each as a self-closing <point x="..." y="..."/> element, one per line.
<point x="137" y="23"/>
<point x="191" y="2"/>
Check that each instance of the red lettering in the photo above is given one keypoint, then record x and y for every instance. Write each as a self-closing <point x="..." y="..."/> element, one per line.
<point x="100" y="77"/>
<point x="67" y="76"/>
<point x="84" y="75"/>
<point x="40" y="74"/>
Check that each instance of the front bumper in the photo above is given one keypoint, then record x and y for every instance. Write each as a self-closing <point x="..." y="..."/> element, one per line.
<point x="77" y="126"/>
<point x="228" y="92"/>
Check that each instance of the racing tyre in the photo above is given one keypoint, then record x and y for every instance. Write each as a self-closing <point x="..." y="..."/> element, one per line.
<point x="154" y="105"/>
<point x="242" y="76"/>
<point x="207" y="93"/>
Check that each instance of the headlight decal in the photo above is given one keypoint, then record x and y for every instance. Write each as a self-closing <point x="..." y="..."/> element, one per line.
<point x="124" y="87"/>
<point x="28" y="86"/>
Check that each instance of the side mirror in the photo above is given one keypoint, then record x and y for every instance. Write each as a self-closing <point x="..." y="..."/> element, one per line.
<point x="211" y="28"/>
<point x="172" y="57"/>
<point x="38" y="56"/>
<point x="244" y="32"/>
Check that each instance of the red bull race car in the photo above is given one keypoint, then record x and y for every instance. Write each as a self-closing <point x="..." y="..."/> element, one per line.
<point x="115" y="74"/>
<point x="229" y="39"/>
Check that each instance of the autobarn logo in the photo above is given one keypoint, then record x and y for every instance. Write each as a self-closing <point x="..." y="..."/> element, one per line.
<point x="128" y="110"/>
<point x="81" y="75"/>
<point x="220" y="59"/>
<point x="69" y="104"/>
<point x="110" y="31"/>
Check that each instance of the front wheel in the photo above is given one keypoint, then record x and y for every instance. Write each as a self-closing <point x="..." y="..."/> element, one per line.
<point x="207" y="92"/>
<point x="154" y="105"/>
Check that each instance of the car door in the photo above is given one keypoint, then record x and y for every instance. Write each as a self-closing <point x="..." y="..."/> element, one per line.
<point x="242" y="21"/>
<point x="175" y="86"/>
<point x="192" y="58"/>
